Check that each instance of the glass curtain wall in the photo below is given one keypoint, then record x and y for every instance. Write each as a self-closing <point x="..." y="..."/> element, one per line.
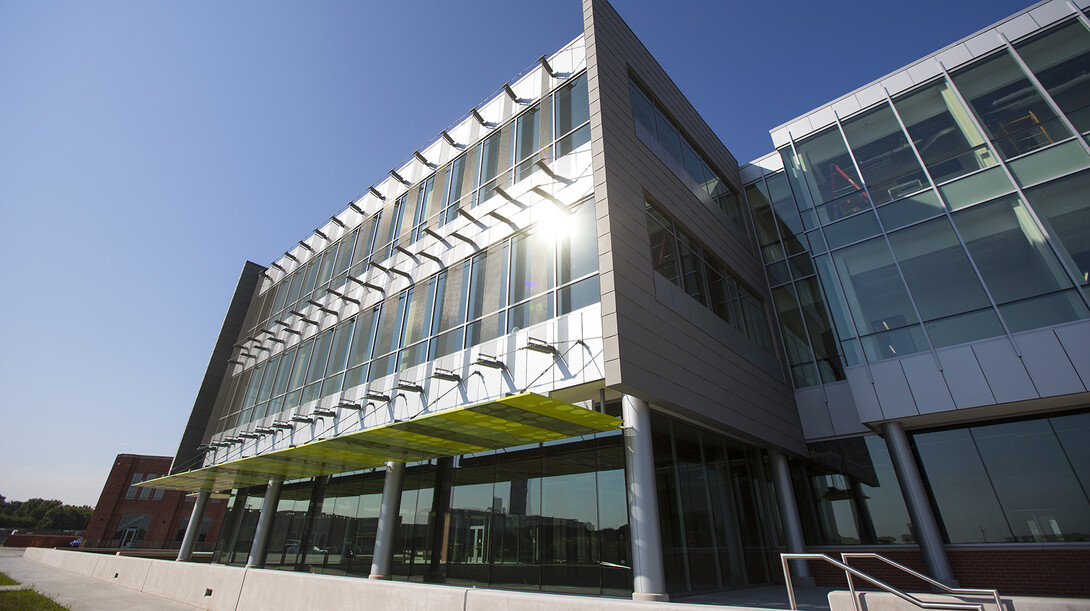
<point x="547" y="516"/>
<point x="554" y="127"/>
<point x="711" y="509"/>
<point x="532" y="277"/>
<point x="918" y="238"/>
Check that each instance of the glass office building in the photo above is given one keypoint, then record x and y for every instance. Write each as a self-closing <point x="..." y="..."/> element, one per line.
<point x="874" y="338"/>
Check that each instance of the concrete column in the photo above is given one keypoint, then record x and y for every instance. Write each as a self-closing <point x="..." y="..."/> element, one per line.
<point x="919" y="507"/>
<point x="789" y="514"/>
<point x="388" y="514"/>
<point x="648" y="577"/>
<point x="194" y="528"/>
<point x="264" y="525"/>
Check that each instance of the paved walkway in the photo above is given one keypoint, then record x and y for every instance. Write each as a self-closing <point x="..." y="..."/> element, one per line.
<point x="79" y="592"/>
<point x="764" y="597"/>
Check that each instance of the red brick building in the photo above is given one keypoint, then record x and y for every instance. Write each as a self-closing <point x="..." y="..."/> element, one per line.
<point x="150" y="518"/>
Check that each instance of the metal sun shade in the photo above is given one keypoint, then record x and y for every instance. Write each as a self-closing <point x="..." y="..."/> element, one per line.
<point x="501" y="423"/>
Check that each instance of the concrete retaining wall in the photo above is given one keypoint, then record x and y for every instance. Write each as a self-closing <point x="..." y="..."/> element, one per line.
<point x="203" y="586"/>
<point x="280" y="590"/>
<point x="224" y="588"/>
<point x="126" y="572"/>
<point x="75" y="562"/>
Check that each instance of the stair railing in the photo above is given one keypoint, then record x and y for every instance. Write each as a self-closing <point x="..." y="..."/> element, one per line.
<point x="873" y="581"/>
<point x="955" y="591"/>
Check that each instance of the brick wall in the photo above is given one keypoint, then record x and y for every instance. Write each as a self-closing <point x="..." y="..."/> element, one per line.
<point x="168" y="514"/>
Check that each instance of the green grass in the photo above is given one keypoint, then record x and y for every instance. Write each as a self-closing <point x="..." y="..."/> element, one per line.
<point x="7" y="581"/>
<point x="27" y="600"/>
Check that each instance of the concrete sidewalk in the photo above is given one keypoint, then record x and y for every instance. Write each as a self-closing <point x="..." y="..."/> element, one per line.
<point x="76" y="591"/>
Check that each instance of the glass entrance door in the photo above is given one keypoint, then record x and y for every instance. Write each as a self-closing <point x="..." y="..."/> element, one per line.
<point x="128" y="536"/>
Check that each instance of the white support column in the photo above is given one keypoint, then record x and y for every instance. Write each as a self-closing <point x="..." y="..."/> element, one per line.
<point x="194" y="528"/>
<point x="648" y="576"/>
<point x="789" y="513"/>
<point x="388" y="514"/>
<point x="919" y="507"/>
<point x="264" y="525"/>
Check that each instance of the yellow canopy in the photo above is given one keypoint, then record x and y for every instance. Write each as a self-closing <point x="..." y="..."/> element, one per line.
<point x="502" y="423"/>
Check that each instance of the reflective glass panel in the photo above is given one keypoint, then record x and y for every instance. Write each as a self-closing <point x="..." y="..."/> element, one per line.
<point x="764" y="220"/>
<point x="1016" y="117"/>
<point x="1013" y="258"/>
<point x="886" y="160"/>
<point x="875" y="292"/>
<point x="960" y="488"/>
<point x="1060" y="59"/>
<point x="943" y="132"/>
<point x="1064" y="205"/>
<point x="578" y="245"/>
<point x="942" y="281"/>
<point x="532" y="262"/>
<point x="1033" y="480"/>
<point x="572" y="105"/>
<point x="823" y="169"/>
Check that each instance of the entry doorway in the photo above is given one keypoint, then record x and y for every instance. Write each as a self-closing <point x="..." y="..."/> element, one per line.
<point x="129" y="536"/>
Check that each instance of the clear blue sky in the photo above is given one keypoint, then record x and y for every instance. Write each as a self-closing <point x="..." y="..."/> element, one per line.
<point x="147" y="149"/>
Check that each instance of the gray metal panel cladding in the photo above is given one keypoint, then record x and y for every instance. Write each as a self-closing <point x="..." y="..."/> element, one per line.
<point x="187" y="456"/>
<point x="653" y="349"/>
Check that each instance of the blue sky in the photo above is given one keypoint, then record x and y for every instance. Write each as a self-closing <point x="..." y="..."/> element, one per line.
<point x="147" y="149"/>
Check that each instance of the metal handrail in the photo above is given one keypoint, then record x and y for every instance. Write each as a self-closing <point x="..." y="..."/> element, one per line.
<point x="955" y="591"/>
<point x="881" y="585"/>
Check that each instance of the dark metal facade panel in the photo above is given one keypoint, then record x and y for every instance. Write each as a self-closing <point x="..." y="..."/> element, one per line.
<point x="200" y="417"/>
<point x="653" y="350"/>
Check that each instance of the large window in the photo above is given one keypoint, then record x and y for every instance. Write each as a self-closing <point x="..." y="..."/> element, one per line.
<point x="710" y="508"/>
<point x="1022" y="481"/>
<point x="679" y="154"/>
<point x="1012" y="111"/>
<point x="1064" y="205"/>
<point x="1026" y="280"/>
<point x="848" y="494"/>
<point x="554" y="127"/>
<point x="537" y="517"/>
<point x="1060" y="59"/>
<point x="684" y="262"/>
<point x="889" y="166"/>
<point x="550" y="270"/>
<point x="943" y="132"/>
